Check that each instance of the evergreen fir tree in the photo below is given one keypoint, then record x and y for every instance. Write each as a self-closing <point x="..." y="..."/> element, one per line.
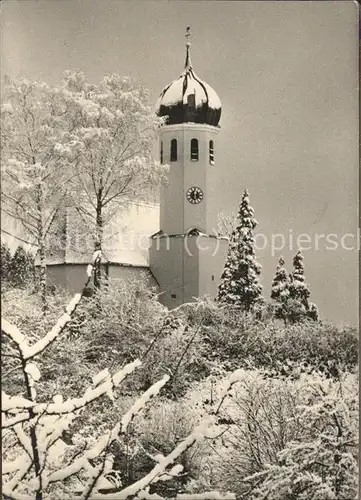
<point x="299" y="290"/>
<point x="312" y="313"/>
<point x="299" y="306"/>
<point x="280" y="290"/>
<point x="240" y="279"/>
<point x="22" y="268"/>
<point x="5" y="264"/>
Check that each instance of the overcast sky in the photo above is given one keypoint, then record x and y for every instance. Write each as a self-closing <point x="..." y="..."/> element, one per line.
<point x="287" y="76"/>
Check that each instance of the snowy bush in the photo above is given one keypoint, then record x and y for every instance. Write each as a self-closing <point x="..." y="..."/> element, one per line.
<point x="124" y="320"/>
<point x="234" y="339"/>
<point x="119" y="320"/>
<point x="289" y="439"/>
<point x="321" y="464"/>
<point x="166" y="424"/>
<point x="43" y="458"/>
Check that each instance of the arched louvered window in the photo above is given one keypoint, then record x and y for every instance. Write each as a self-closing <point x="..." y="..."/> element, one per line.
<point x="194" y="150"/>
<point x="211" y="152"/>
<point x="161" y="151"/>
<point x="173" y="150"/>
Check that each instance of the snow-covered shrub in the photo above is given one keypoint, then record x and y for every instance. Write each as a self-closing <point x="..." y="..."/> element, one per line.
<point x="45" y="460"/>
<point x="241" y="340"/>
<point x="119" y="320"/>
<point x="23" y="308"/>
<point x="289" y="439"/>
<point x="260" y="419"/>
<point x="180" y="354"/>
<point x="307" y="347"/>
<point x="64" y="363"/>
<point x="322" y="464"/>
<point x="124" y="320"/>
<point x="165" y="424"/>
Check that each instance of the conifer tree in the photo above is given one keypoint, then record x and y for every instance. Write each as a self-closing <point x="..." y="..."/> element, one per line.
<point x="299" y="293"/>
<point x="313" y="313"/>
<point x="5" y="263"/>
<point x="21" y="268"/>
<point x="299" y="290"/>
<point x="280" y="290"/>
<point x="240" y="279"/>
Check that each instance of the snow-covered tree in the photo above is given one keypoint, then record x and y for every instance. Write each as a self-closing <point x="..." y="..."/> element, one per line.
<point x="5" y="263"/>
<point x="22" y="268"/>
<point x="33" y="172"/>
<point x="280" y="290"/>
<point x="299" y="290"/>
<point x="240" y="279"/>
<point x="299" y="306"/>
<point x="115" y="130"/>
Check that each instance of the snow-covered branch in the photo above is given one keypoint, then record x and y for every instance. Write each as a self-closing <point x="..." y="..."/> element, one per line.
<point x="29" y="352"/>
<point x="141" y="402"/>
<point x="74" y="404"/>
<point x="15" y="334"/>
<point x="161" y="466"/>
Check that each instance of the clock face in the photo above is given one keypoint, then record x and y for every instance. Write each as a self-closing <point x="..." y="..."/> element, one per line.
<point x="194" y="195"/>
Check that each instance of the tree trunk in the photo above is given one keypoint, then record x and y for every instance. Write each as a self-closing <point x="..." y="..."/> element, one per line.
<point x="33" y="436"/>
<point x="41" y="244"/>
<point x="98" y="240"/>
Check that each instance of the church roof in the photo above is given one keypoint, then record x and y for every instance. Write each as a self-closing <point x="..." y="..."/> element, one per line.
<point x="188" y="99"/>
<point x="125" y="241"/>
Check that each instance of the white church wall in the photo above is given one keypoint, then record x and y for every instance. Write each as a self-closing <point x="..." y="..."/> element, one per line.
<point x="211" y="264"/>
<point x="166" y="257"/>
<point x="185" y="173"/>
<point x="72" y="276"/>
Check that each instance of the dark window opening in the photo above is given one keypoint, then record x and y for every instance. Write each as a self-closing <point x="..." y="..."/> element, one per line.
<point x="211" y="152"/>
<point x="161" y="152"/>
<point x="212" y="277"/>
<point x="173" y="150"/>
<point x="194" y="150"/>
<point x="191" y="100"/>
<point x="173" y="295"/>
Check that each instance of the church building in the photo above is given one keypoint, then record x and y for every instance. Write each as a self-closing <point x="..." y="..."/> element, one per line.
<point x="173" y="243"/>
<point x="187" y="256"/>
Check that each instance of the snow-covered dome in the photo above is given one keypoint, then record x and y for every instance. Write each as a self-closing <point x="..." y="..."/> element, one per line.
<point x="189" y="99"/>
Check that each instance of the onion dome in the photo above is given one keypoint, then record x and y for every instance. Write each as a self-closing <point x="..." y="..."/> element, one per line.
<point x="189" y="99"/>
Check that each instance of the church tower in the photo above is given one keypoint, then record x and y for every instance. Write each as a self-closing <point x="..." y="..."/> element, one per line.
<point x="186" y="256"/>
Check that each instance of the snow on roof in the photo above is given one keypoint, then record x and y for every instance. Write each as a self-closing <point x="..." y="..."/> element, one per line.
<point x="178" y="92"/>
<point x="14" y="235"/>
<point x="125" y="238"/>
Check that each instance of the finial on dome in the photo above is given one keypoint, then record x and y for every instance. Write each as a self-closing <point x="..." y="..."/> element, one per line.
<point x="188" y="63"/>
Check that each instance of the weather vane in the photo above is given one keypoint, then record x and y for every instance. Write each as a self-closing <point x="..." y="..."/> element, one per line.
<point x="188" y="34"/>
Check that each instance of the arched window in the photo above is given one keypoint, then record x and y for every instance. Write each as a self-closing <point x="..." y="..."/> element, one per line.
<point x="211" y="152"/>
<point x="161" y="151"/>
<point x="173" y="150"/>
<point x="194" y="150"/>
